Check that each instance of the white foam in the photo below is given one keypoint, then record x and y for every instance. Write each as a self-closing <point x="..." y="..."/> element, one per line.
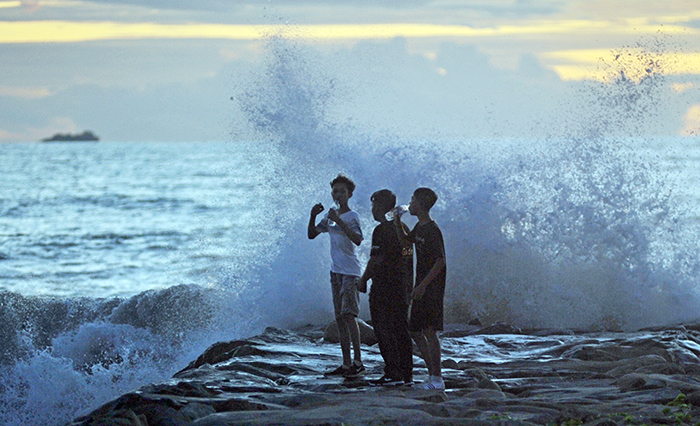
<point x="571" y="230"/>
<point x="574" y="229"/>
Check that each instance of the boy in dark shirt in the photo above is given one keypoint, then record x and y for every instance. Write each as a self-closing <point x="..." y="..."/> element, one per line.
<point x="390" y="268"/>
<point x="427" y="309"/>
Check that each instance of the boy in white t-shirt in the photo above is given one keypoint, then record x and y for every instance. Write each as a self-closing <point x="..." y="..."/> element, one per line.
<point x="343" y="226"/>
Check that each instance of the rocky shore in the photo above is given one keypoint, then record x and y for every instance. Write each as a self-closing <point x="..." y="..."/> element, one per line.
<point x="494" y="375"/>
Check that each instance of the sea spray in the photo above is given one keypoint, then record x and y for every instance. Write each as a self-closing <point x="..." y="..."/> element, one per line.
<point x="69" y="356"/>
<point x="157" y="213"/>
<point x="569" y="226"/>
<point x="574" y="228"/>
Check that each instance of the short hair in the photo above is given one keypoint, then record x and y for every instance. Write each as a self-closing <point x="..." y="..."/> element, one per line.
<point x="341" y="178"/>
<point x="426" y="197"/>
<point x="385" y="199"/>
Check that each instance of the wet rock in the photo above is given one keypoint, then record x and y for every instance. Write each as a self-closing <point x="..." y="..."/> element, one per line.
<point x="158" y="414"/>
<point x="281" y="369"/>
<point x="462" y="330"/>
<point x="429" y="396"/>
<point x="637" y="381"/>
<point x="223" y="351"/>
<point x="516" y="412"/>
<point x="602" y="422"/>
<point x="301" y="335"/>
<point x="136" y="409"/>
<point x="450" y="363"/>
<point x="302" y="400"/>
<point x="553" y="332"/>
<point x="482" y="380"/>
<point x="121" y="418"/>
<point x="642" y="364"/>
<point x="196" y="410"/>
<point x="367" y="336"/>
<point x="237" y="405"/>
<point x="662" y="368"/>
<point x="460" y="381"/>
<point x="254" y="370"/>
<point x="354" y="409"/>
<point x="500" y="328"/>
<point x="488" y="384"/>
<point x="194" y="390"/>
<point x="487" y="394"/>
<point x="276" y="378"/>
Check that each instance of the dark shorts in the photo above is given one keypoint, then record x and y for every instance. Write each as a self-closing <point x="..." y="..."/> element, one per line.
<point x="427" y="312"/>
<point x="346" y="297"/>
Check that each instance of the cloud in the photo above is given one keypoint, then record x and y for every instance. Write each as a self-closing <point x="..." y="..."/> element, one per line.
<point x="208" y="5"/>
<point x="9" y="136"/>
<point x="135" y="64"/>
<point x="71" y="31"/>
<point x="682" y="87"/>
<point x="168" y="111"/>
<point x="692" y="121"/>
<point x="451" y="94"/>
<point x="495" y="8"/>
<point x="25" y="92"/>
<point x="605" y="64"/>
<point x="435" y="56"/>
<point x="377" y="86"/>
<point x="505" y="9"/>
<point x="166" y="114"/>
<point x="8" y="4"/>
<point x="219" y="5"/>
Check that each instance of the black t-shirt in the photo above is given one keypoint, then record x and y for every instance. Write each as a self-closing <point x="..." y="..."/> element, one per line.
<point x="429" y="248"/>
<point x="394" y="272"/>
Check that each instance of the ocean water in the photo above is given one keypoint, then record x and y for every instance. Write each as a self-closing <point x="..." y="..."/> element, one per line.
<point x="116" y="219"/>
<point x="121" y="262"/>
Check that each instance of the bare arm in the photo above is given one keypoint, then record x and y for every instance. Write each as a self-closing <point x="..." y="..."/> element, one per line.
<point x="434" y="271"/>
<point x="312" y="232"/>
<point x="368" y="274"/>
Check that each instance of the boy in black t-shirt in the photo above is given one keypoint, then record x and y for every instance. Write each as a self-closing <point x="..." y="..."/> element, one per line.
<point x="427" y="309"/>
<point x="390" y="268"/>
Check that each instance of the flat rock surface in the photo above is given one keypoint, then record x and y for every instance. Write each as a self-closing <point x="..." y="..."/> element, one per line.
<point x="494" y="375"/>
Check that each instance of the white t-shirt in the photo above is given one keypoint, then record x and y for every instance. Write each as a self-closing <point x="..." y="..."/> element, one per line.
<point x="343" y="257"/>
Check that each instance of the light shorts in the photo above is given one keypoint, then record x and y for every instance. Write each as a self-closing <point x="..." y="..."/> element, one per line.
<point x="346" y="297"/>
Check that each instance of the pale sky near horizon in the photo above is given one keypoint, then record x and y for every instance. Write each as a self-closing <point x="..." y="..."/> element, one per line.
<point x="167" y="70"/>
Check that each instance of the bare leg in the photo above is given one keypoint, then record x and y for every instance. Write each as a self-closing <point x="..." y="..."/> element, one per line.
<point x="344" y="336"/>
<point x="354" y="336"/>
<point x="422" y="343"/>
<point x="433" y="342"/>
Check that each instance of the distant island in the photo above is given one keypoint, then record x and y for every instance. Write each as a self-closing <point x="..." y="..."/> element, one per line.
<point x="86" y="136"/>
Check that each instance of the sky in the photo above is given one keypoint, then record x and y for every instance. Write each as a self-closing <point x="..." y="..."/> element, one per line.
<point x="138" y="70"/>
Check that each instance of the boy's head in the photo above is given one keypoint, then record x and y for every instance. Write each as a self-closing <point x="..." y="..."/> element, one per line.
<point x="382" y="201"/>
<point x="423" y="199"/>
<point x="342" y="179"/>
<point x="342" y="188"/>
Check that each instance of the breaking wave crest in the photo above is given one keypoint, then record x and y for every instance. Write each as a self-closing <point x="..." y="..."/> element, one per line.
<point x="573" y="225"/>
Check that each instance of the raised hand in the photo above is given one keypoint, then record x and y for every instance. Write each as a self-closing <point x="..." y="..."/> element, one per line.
<point x="318" y="208"/>
<point x="333" y="215"/>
